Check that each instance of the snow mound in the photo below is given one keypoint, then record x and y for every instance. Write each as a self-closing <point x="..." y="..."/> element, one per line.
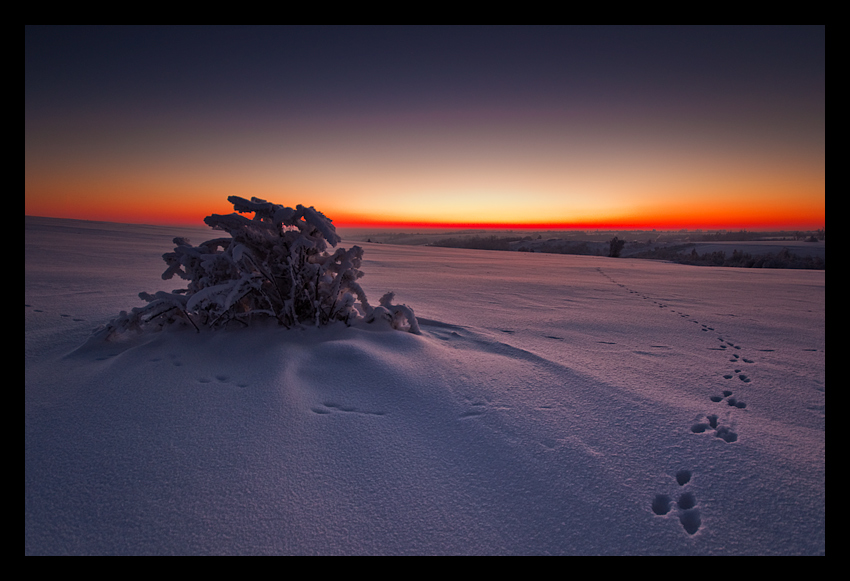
<point x="550" y="404"/>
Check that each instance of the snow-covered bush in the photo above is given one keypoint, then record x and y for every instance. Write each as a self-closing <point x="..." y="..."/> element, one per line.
<point x="276" y="265"/>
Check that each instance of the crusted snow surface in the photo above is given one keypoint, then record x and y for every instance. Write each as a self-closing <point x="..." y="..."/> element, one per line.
<point x="552" y="404"/>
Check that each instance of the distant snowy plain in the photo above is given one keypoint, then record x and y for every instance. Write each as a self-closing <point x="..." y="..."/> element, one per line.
<point x="554" y="404"/>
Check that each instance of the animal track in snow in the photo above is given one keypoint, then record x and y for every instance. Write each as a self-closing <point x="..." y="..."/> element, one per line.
<point x="734" y="402"/>
<point x="726" y="434"/>
<point x="63" y="315"/>
<point x="221" y="378"/>
<point x="689" y="515"/>
<point x="701" y="427"/>
<point x="742" y="376"/>
<point x="687" y="500"/>
<point x="690" y="519"/>
<point x="478" y="409"/>
<point x="710" y="423"/>
<point x="661" y="504"/>
<point x="329" y="407"/>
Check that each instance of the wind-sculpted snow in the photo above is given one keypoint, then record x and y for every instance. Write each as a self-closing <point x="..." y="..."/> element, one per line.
<point x="550" y="405"/>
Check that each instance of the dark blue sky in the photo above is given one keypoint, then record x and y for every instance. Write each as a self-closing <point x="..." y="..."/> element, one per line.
<point x="374" y="67"/>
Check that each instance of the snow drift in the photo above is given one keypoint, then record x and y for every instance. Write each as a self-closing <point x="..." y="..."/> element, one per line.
<point x="552" y="404"/>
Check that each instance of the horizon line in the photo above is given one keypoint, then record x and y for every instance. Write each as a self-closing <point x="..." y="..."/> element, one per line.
<point x="494" y="226"/>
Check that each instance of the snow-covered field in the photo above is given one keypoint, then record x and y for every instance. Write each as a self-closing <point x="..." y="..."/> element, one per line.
<point x="553" y="404"/>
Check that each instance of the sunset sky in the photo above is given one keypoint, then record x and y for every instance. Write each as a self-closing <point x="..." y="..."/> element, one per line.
<point x="561" y="127"/>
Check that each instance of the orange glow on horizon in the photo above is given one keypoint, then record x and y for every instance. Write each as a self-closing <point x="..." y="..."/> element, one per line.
<point x="767" y="205"/>
<point x="190" y="208"/>
<point x="691" y="217"/>
<point x="625" y="224"/>
<point x="194" y="218"/>
<point x="546" y="187"/>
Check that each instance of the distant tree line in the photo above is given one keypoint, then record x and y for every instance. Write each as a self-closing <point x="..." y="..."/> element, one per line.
<point x="613" y="248"/>
<point x="743" y="235"/>
<point x="782" y="259"/>
<point x="479" y="242"/>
